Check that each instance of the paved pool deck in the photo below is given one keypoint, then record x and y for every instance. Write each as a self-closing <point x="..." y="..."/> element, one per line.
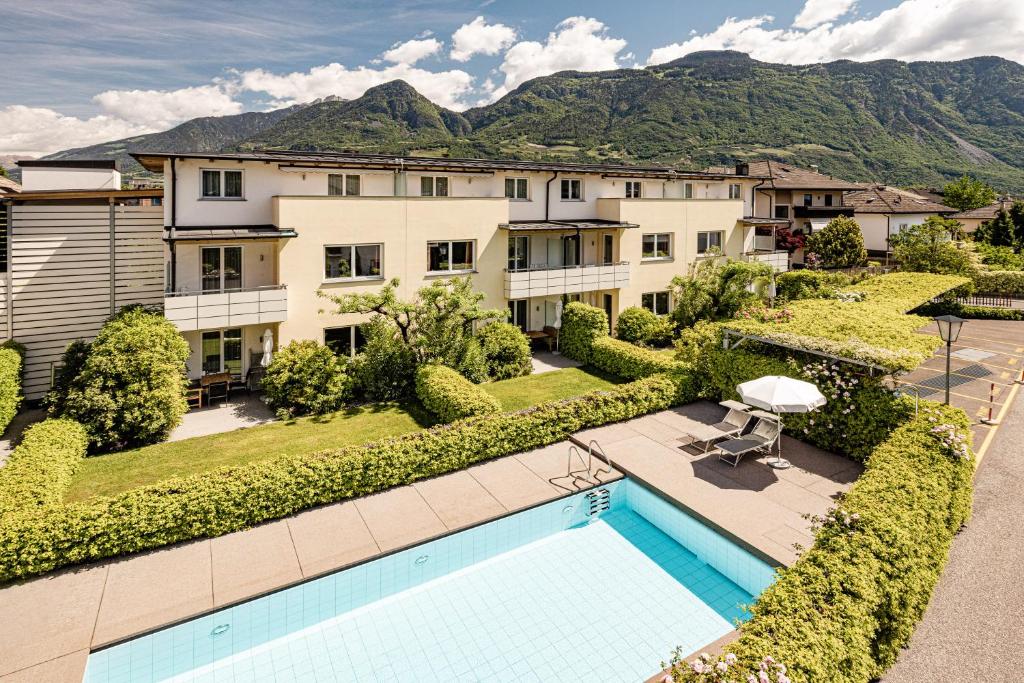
<point x="49" y="624"/>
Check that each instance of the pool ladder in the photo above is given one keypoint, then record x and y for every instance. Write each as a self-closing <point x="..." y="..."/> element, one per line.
<point x="587" y="475"/>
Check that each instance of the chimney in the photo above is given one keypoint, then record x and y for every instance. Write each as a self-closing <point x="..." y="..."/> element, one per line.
<point x="742" y="169"/>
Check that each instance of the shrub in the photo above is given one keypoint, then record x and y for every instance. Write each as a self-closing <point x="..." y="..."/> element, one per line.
<point x="716" y="289"/>
<point x="794" y="285"/>
<point x="385" y="368"/>
<point x="71" y="363"/>
<point x="844" y="610"/>
<point x="234" y="498"/>
<point x="641" y="326"/>
<point x="968" y="193"/>
<point x="1000" y="283"/>
<point x="12" y="357"/>
<point x="839" y="244"/>
<point x="472" y="364"/>
<point x="930" y="248"/>
<point x="39" y="471"/>
<point x="306" y="378"/>
<point x="999" y="258"/>
<point x="581" y="325"/>
<point x="131" y="388"/>
<point x="451" y="396"/>
<point x="506" y="351"/>
<point x="628" y="360"/>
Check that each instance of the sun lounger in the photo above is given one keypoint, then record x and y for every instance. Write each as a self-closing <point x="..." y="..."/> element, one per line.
<point x="731" y="425"/>
<point x="761" y="438"/>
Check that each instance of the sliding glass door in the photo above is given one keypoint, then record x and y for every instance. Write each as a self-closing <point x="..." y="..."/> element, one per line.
<point x="222" y="352"/>
<point x="221" y="269"/>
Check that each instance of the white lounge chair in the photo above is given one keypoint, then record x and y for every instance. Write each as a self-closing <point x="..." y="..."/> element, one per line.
<point x="761" y="438"/>
<point x="733" y="424"/>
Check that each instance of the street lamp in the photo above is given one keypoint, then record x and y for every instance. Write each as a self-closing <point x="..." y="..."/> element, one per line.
<point x="949" y="330"/>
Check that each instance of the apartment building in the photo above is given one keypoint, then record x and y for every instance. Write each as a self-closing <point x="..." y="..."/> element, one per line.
<point x="883" y="211"/>
<point x="252" y="237"/>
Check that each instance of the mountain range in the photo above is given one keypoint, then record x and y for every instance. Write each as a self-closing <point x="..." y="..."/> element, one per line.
<point x="918" y="123"/>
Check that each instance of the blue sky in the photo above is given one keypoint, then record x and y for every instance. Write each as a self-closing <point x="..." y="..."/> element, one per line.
<point x="87" y="72"/>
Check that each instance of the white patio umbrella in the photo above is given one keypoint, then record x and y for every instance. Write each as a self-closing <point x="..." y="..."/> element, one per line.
<point x="268" y="348"/>
<point x="558" y="320"/>
<point x="781" y="395"/>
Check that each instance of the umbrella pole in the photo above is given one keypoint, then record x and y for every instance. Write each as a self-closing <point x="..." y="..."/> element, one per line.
<point x="779" y="463"/>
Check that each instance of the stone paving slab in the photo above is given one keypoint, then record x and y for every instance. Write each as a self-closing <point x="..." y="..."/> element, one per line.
<point x="399" y="517"/>
<point x="69" y="667"/>
<point x="329" y="537"/>
<point x="459" y="500"/>
<point x="253" y="561"/>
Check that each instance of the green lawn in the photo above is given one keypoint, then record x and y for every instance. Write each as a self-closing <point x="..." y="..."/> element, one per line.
<point x="111" y="474"/>
<point x="523" y="392"/>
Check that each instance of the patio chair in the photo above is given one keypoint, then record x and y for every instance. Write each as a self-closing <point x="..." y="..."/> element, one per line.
<point x="733" y="424"/>
<point x="761" y="438"/>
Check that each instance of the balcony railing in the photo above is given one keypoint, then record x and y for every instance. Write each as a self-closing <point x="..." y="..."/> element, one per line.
<point x="233" y="308"/>
<point x="779" y="260"/>
<point x="543" y="280"/>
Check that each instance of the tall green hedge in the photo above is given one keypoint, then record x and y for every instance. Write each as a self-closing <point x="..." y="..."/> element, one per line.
<point x="1000" y="283"/>
<point x="844" y="610"/>
<point x="581" y="325"/>
<point x="628" y="360"/>
<point x="12" y="357"/>
<point x="451" y="396"/>
<point x="230" y="499"/>
<point x="39" y="471"/>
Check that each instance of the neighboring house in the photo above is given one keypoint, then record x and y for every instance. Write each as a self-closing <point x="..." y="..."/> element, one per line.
<point x="69" y="174"/>
<point x="882" y="211"/>
<point x="973" y="218"/>
<point x="251" y="237"/>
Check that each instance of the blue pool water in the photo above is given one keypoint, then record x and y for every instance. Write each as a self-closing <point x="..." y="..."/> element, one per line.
<point x="548" y="594"/>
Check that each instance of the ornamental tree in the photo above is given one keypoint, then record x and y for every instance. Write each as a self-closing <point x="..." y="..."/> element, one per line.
<point x="931" y="248"/>
<point x="839" y="244"/>
<point x="968" y="193"/>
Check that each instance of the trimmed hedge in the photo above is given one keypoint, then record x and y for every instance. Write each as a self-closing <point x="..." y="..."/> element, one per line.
<point x="581" y="326"/>
<point x="640" y="326"/>
<point x="628" y="360"/>
<point x="12" y="357"/>
<point x="451" y="396"/>
<point x="953" y="307"/>
<point x="844" y="610"/>
<point x="39" y="471"/>
<point x="230" y="499"/>
<point x="1000" y="283"/>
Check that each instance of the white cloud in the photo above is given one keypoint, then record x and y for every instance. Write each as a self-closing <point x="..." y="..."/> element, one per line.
<point x="36" y="131"/>
<point x="413" y="51"/>
<point x="166" y="108"/>
<point x="817" y="12"/>
<point x="447" y="88"/>
<point x="939" y="30"/>
<point x="578" y="44"/>
<point x="480" y="38"/>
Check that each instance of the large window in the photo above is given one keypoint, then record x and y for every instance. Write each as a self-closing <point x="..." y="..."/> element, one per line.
<point x="221" y="269"/>
<point x="518" y="253"/>
<point x="572" y="190"/>
<point x="221" y="184"/>
<point x="517" y="188"/>
<point x="781" y="211"/>
<point x="343" y="185"/>
<point x="607" y="250"/>
<point x="655" y="302"/>
<point x="734" y="191"/>
<point x="808" y="200"/>
<point x="634" y="189"/>
<point x="712" y="239"/>
<point x="450" y="257"/>
<point x="657" y="246"/>
<point x="222" y="352"/>
<point x="433" y="186"/>
<point x="345" y="341"/>
<point x="349" y="261"/>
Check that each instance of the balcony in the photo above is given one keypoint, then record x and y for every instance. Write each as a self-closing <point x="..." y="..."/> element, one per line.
<point x="201" y="311"/>
<point x="544" y="280"/>
<point x="779" y="260"/>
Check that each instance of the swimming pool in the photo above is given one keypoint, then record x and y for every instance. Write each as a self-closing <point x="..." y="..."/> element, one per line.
<point x="600" y="585"/>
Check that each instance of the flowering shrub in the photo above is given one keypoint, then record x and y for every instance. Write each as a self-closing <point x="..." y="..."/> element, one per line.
<point x="848" y="296"/>
<point x="763" y="314"/>
<point x="725" y="670"/>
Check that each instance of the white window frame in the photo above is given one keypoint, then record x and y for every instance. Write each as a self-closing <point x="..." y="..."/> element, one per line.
<point x="221" y="248"/>
<point x="515" y="188"/>
<point x="656" y="236"/>
<point x="570" y="181"/>
<point x="433" y="185"/>
<point x="221" y="197"/>
<point x="654" y="302"/>
<point x="735" y="191"/>
<point x="351" y="337"/>
<point x="707" y="240"/>
<point x="220" y="336"/>
<point x="344" y="184"/>
<point x="352" y="261"/>
<point x="451" y="271"/>
<point x="638" y="187"/>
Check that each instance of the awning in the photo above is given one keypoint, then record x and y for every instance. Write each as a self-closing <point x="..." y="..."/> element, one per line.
<point x="227" y="232"/>
<point x="595" y="224"/>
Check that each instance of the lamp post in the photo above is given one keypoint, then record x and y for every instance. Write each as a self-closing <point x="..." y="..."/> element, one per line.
<point x="949" y="330"/>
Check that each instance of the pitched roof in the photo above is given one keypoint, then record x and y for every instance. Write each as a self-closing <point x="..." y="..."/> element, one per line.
<point x="885" y="199"/>
<point x="8" y="186"/>
<point x="987" y="212"/>
<point x="786" y="176"/>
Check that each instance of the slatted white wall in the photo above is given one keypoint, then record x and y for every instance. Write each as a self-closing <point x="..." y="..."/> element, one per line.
<point x="61" y="264"/>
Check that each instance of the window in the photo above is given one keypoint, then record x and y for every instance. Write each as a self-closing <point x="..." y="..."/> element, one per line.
<point x="518" y="252"/>
<point x="343" y="261"/>
<point x="572" y="190"/>
<point x="450" y="257"/>
<point x="345" y="341"/>
<point x="828" y="200"/>
<point x="433" y="186"/>
<point x="221" y="269"/>
<point x="808" y="199"/>
<point x="655" y="302"/>
<point x="734" y="191"/>
<point x="220" y="184"/>
<point x="343" y="185"/>
<point x="517" y="188"/>
<point x="711" y="239"/>
<point x="518" y="314"/>
<point x="634" y="189"/>
<point x="657" y="246"/>
<point x="781" y="211"/>
<point x="607" y="250"/>
<point x="687" y="190"/>
<point x="222" y="352"/>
